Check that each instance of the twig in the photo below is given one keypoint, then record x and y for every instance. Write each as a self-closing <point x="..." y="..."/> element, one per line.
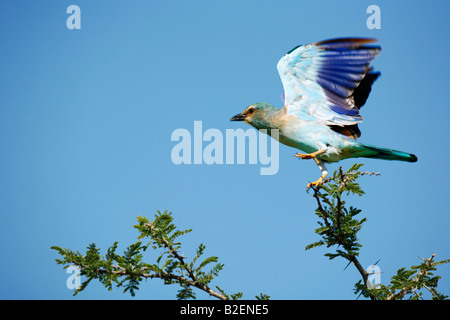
<point x="194" y="281"/>
<point x="418" y="277"/>
<point x="352" y="173"/>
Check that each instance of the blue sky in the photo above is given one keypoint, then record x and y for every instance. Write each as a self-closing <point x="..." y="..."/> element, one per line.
<point x="86" y="118"/>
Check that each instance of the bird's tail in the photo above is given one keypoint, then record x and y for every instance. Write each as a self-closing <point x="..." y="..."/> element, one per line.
<point x="387" y="154"/>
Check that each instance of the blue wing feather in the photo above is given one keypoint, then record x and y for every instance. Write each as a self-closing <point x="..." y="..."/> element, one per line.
<point x="319" y="79"/>
<point x="339" y="75"/>
<point x="336" y="87"/>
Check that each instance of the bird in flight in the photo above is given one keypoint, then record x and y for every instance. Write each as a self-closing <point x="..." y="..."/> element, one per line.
<point x="325" y="85"/>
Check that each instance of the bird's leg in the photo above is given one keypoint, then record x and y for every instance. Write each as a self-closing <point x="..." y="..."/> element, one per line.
<point x="319" y="163"/>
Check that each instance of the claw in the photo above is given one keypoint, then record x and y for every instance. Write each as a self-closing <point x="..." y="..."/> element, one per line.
<point x="316" y="183"/>
<point x="303" y="156"/>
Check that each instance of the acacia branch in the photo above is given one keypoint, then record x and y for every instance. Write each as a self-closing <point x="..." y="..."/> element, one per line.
<point x="341" y="241"/>
<point x="333" y="231"/>
<point x="120" y="271"/>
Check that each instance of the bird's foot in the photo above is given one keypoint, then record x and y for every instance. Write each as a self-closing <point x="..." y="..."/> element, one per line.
<point x="309" y="155"/>
<point x="316" y="183"/>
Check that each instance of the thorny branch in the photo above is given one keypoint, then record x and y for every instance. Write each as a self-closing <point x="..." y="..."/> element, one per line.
<point x="331" y="232"/>
<point x="340" y="240"/>
<point x="339" y="227"/>
<point x="131" y="269"/>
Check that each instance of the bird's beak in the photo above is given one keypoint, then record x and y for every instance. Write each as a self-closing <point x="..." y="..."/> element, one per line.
<point x="238" y="117"/>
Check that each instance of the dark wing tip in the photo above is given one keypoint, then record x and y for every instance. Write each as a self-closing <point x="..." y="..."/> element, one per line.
<point x="293" y="49"/>
<point x="345" y="42"/>
<point x="362" y="91"/>
<point x="342" y="43"/>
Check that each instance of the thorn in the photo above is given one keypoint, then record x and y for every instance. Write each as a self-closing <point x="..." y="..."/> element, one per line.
<point x="347" y="265"/>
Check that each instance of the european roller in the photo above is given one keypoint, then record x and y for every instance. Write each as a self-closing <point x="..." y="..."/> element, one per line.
<point x="325" y="85"/>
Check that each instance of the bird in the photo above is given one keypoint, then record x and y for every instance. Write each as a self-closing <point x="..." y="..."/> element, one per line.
<point x="325" y="85"/>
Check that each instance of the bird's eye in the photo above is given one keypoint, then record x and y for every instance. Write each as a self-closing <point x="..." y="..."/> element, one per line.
<point x="251" y="110"/>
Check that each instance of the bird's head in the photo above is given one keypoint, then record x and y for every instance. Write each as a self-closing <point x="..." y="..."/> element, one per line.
<point x="257" y="114"/>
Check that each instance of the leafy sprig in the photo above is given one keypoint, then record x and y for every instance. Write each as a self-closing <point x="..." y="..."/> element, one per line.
<point x="129" y="269"/>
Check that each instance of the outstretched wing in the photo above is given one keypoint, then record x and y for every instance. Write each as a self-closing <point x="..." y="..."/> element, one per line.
<point x="328" y="81"/>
